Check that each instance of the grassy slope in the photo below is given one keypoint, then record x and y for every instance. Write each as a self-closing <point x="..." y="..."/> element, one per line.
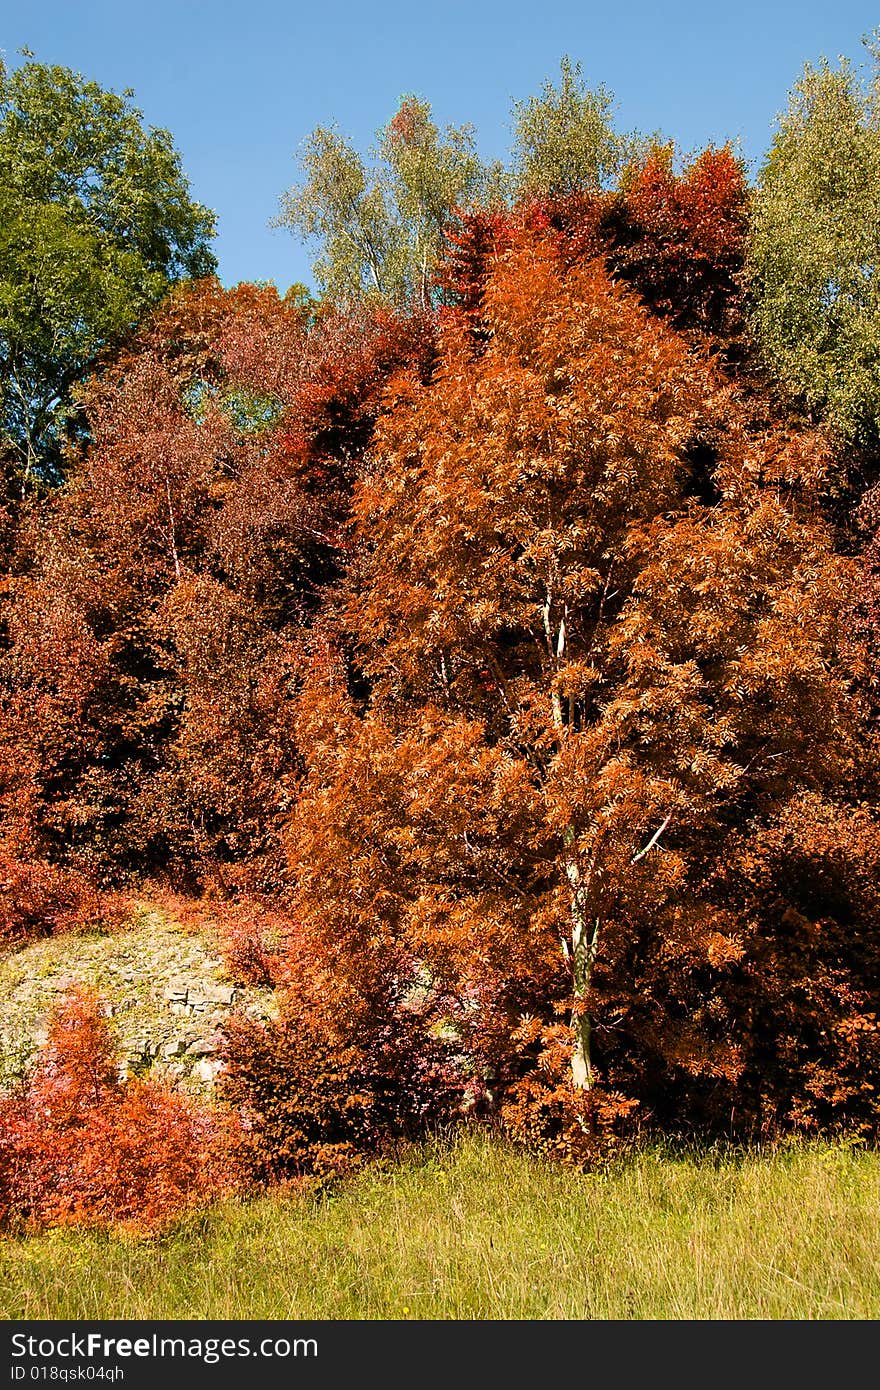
<point x="482" y="1232"/>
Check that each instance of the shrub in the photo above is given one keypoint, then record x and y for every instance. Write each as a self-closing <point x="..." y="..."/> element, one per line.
<point x="341" y="1075"/>
<point x="38" y="899"/>
<point x="80" y="1146"/>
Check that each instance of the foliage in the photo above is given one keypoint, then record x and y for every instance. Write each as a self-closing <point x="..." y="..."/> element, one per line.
<point x="381" y="228"/>
<point x="38" y="899"/>
<point x="813" y="250"/>
<point x="320" y="1090"/>
<point x="563" y="139"/>
<point x="344" y="1072"/>
<point x="95" y="222"/>
<point x="588" y="663"/>
<point x="682" y="237"/>
<point x="80" y="1147"/>
<point x="153" y="629"/>
<point x="677" y="237"/>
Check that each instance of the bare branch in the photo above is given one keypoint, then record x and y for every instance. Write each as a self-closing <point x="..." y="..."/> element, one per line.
<point x="652" y="842"/>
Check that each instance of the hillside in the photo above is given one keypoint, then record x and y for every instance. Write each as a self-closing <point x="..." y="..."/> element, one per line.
<point x="164" y="987"/>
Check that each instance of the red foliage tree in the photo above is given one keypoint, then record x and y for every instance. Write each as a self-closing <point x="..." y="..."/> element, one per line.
<point x="471" y="242"/>
<point x="153" y="630"/>
<point x="678" y="239"/>
<point x="342" y="1074"/>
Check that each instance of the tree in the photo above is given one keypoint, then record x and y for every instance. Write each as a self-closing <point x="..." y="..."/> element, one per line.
<point x="152" y="627"/>
<point x="563" y="140"/>
<point x="583" y="680"/>
<point x="339" y="205"/>
<point x="96" y="222"/>
<point x="380" y="227"/>
<point x="676" y="237"/>
<point x="815" y="230"/>
<point x="679" y="238"/>
<point x="428" y="177"/>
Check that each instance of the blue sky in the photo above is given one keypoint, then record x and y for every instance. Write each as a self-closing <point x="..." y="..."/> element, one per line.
<point x="240" y="85"/>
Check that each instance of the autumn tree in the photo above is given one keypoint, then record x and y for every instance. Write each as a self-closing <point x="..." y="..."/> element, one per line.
<point x="673" y="231"/>
<point x="583" y="673"/>
<point x="153" y="625"/>
<point x="96" y="221"/>
<point x="678" y="235"/>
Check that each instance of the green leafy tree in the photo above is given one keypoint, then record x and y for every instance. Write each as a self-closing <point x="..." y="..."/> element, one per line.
<point x="814" y="249"/>
<point x="95" y="222"/>
<point x="563" y="140"/>
<point x="428" y="175"/>
<point x="380" y="224"/>
<point x="341" y="206"/>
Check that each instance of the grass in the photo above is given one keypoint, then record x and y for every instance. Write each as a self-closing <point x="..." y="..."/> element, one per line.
<point x="482" y="1231"/>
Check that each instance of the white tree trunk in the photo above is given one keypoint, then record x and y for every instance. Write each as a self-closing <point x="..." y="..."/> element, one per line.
<point x="584" y="944"/>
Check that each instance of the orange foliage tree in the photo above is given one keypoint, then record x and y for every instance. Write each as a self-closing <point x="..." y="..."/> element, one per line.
<point x="593" y="622"/>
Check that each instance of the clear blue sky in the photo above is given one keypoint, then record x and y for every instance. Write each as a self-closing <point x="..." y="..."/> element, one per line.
<point x="240" y="85"/>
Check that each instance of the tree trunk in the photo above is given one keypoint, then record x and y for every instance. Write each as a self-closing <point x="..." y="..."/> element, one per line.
<point x="582" y="953"/>
<point x="584" y="939"/>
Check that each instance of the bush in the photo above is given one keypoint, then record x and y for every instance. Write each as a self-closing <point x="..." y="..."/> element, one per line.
<point x="338" y="1077"/>
<point x="38" y="899"/>
<point x="78" y="1146"/>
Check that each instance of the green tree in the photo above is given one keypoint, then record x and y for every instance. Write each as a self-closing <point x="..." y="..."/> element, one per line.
<point x="340" y="205"/>
<point x="95" y="222"/>
<point x="814" y="247"/>
<point x="380" y="224"/>
<point x="563" y="140"/>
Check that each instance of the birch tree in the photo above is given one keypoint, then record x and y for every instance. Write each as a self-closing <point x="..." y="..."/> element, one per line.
<point x="378" y="222"/>
<point x="813" y="257"/>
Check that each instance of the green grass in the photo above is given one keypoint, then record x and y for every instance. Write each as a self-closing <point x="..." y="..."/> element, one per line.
<point x="481" y="1231"/>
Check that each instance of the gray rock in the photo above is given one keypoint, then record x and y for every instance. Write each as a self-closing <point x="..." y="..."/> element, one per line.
<point x="166" y="989"/>
<point x="219" y="993"/>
